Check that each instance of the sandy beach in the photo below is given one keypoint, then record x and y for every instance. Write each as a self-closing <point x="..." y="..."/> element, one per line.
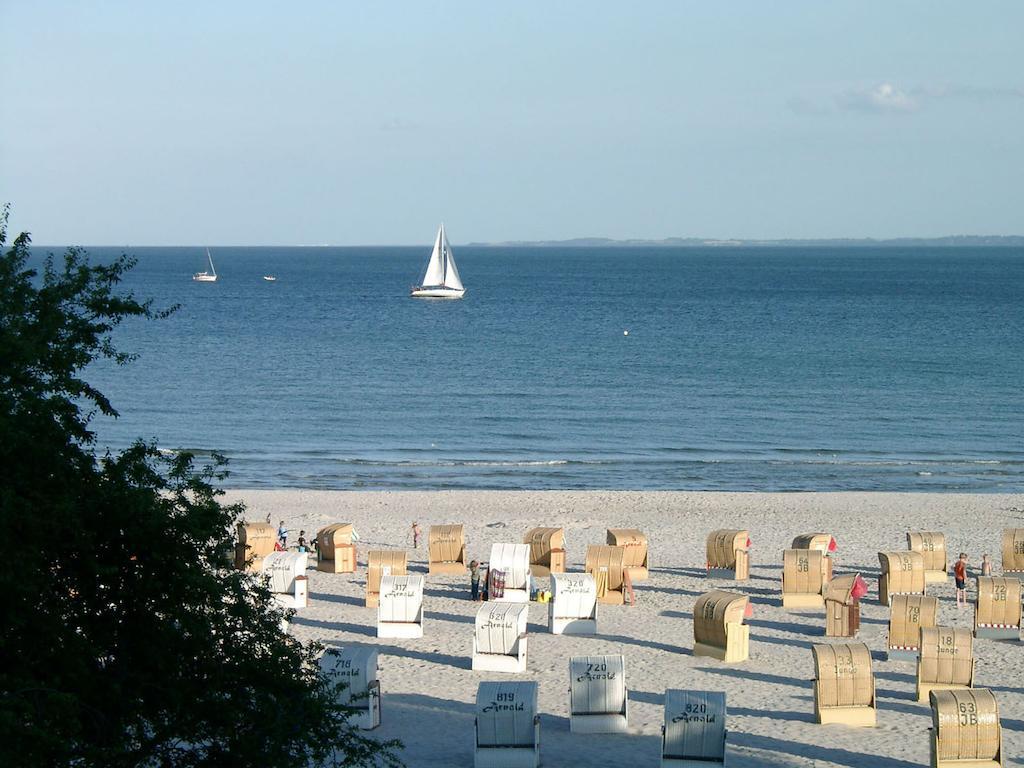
<point x="429" y="688"/>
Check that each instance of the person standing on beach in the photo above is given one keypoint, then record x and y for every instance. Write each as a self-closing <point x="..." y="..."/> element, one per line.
<point x="474" y="581"/>
<point x="960" y="576"/>
<point x="415" y="535"/>
<point x="986" y="566"/>
<point x="303" y="547"/>
<point x="282" y="535"/>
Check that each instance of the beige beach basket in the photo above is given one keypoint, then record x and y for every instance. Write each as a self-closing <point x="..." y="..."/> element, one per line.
<point x="803" y="578"/>
<point x="902" y="574"/>
<point x="636" y="557"/>
<point x="335" y="551"/>
<point x="844" y="685"/>
<point x="1013" y="551"/>
<point x="447" y="549"/>
<point x="946" y="660"/>
<point x="908" y="615"/>
<point x="547" y="551"/>
<point x="256" y="541"/>
<point x="842" y="610"/>
<point x="606" y="565"/>
<point x="965" y="729"/>
<point x="718" y="628"/>
<point x="729" y="550"/>
<point x="997" y="608"/>
<point x="932" y="546"/>
<point x="381" y="562"/>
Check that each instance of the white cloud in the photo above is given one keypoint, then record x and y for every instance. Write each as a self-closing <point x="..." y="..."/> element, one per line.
<point x="884" y="97"/>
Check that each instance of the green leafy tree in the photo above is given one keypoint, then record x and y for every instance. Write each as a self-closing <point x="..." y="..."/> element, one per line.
<point x="127" y="639"/>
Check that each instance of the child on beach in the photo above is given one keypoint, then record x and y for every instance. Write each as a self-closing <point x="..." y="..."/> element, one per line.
<point x="302" y="545"/>
<point x="960" y="576"/>
<point x="282" y="535"/>
<point x="415" y="535"/>
<point x="986" y="566"/>
<point x="474" y="581"/>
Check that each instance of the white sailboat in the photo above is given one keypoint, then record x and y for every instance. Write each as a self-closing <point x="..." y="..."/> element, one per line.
<point x="206" y="277"/>
<point x="441" y="278"/>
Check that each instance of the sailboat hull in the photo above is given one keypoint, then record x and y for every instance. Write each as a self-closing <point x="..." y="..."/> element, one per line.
<point x="202" y="277"/>
<point x="437" y="293"/>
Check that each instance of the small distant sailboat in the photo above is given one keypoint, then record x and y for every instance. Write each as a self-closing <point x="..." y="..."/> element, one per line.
<point x="270" y="278"/>
<point x="441" y="278"/>
<point x="206" y="277"/>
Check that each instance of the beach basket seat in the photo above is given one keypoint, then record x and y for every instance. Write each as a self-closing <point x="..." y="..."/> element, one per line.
<point x="335" y="551"/>
<point x="694" y="733"/>
<point x="728" y="554"/>
<point x="400" y="607"/>
<point x="718" y="628"/>
<point x="636" y="557"/>
<point x="997" y="608"/>
<point x="573" y="606"/>
<point x="446" y="546"/>
<point x="902" y="573"/>
<point x="1013" y="552"/>
<point x="966" y="732"/>
<point x="598" y="698"/>
<point x="823" y="542"/>
<point x="499" y="637"/>
<point x="379" y="563"/>
<point x="507" y="725"/>
<point x="842" y="605"/>
<point x="946" y="660"/>
<point x="844" y="685"/>
<point x="607" y="565"/>
<point x="932" y="546"/>
<point x="803" y="579"/>
<point x="908" y="615"/>
<point x="547" y="551"/>
<point x="357" y="668"/>
<point x="255" y="541"/>
<point x="513" y="561"/>
<point x="286" y="577"/>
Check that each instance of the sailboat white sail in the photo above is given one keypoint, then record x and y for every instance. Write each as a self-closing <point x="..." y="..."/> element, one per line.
<point x="206" y="277"/>
<point x="441" y="279"/>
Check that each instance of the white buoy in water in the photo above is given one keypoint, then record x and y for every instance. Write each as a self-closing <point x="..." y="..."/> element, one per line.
<point x="625" y="333"/>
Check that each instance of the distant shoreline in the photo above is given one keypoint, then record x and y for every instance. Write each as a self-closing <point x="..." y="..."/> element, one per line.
<point x="951" y="241"/>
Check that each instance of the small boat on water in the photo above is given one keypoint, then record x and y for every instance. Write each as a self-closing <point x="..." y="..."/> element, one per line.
<point x="441" y="277"/>
<point x="270" y="278"/>
<point x="206" y="277"/>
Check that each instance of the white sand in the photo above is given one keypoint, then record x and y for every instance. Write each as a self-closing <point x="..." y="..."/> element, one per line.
<point x="429" y="689"/>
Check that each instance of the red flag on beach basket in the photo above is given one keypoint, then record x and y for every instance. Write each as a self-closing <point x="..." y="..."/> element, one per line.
<point x="860" y="588"/>
<point x="748" y="611"/>
<point x="832" y="546"/>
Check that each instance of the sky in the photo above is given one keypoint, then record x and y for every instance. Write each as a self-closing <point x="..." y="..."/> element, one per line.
<point x="344" y="123"/>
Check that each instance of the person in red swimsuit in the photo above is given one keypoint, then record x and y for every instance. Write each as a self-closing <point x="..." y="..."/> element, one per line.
<point x="960" y="576"/>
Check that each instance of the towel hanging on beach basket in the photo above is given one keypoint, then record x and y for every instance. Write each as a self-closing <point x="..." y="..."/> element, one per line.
<point x="718" y="629"/>
<point x="946" y="660"/>
<point x="902" y="574"/>
<point x="844" y="685"/>
<point x="729" y="550"/>
<point x="380" y="562"/>
<point x="1013" y="551"/>
<point x="997" y="608"/>
<point x="256" y="541"/>
<point x="547" y="550"/>
<point x="634" y="543"/>
<point x="604" y="562"/>
<point x="908" y="615"/>
<point x="965" y="729"/>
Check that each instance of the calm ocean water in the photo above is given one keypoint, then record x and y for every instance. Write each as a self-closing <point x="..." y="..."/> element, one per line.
<point x="744" y="369"/>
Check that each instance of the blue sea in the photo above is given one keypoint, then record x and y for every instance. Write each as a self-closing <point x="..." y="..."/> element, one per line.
<point x="743" y="368"/>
